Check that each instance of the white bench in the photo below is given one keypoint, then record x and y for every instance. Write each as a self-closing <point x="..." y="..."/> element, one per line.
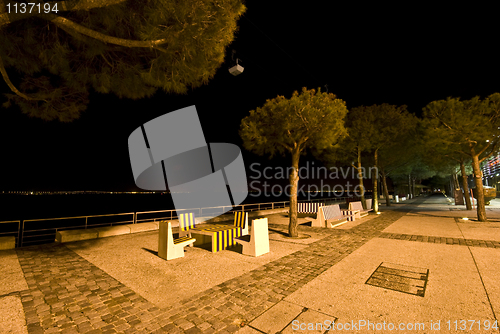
<point x="331" y="216"/>
<point x="358" y="206"/>
<point x="168" y="247"/>
<point x="308" y="209"/>
<point x="257" y="243"/>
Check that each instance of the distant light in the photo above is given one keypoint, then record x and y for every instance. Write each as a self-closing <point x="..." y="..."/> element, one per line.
<point x="487" y="140"/>
<point x="379" y="213"/>
<point x="465" y="218"/>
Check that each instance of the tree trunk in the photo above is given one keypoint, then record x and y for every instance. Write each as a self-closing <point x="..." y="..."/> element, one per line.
<point x="452" y="186"/>
<point x="481" y="210"/>
<point x="294" y="181"/>
<point x="455" y="180"/>
<point x="465" y="186"/>
<point x="413" y="188"/>
<point x="360" y="178"/>
<point x="375" y="184"/>
<point x="386" y="191"/>
<point x="409" y="186"/>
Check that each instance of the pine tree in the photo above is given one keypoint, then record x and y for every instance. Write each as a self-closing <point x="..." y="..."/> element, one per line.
<point x="310" y="120"/>
<point x="373" y="130"/>
<point x="50" y="60"/>
<point x="391" y="124"/>
<point x="473" y="125"/>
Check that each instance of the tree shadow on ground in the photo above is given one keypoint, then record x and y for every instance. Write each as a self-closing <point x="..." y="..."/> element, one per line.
<point x="279" y="231"/>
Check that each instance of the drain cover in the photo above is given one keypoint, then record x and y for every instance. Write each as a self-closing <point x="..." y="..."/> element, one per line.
<point x="407" y="279"/>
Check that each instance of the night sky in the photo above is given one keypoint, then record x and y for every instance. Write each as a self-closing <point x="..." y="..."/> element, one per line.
<point x="366" y="55"/>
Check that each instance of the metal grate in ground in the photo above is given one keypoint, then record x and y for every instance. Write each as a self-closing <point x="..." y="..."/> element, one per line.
<point x="402" y="278"/>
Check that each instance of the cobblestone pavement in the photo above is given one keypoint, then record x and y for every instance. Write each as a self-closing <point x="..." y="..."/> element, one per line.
<point x="68" y="294"/>
<point x="442" y="240"/>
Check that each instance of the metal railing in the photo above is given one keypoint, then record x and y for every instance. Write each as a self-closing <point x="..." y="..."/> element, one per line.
<point x="39" y="231"/>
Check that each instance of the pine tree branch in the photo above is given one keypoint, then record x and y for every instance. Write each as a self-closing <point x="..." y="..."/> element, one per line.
<point x="483" y="150"/>
<point x="302" y="143"/>
<point x="65" y="23"/>
<point x="493" y="149"/>
<point x="287" y="147"/>
<point x="463" y="152"/>
<point x="11" y="85"/>
<point x="62" y="6"/>
<point x="299" y="114"/>
<point x="452" y="157"/>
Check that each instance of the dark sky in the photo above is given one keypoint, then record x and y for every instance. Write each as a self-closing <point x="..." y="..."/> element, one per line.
<point x="365" y="54"/>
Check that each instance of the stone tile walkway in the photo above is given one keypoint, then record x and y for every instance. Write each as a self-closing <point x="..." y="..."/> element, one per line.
<point x="68" y="294"/>
<point x="442" y="240"/>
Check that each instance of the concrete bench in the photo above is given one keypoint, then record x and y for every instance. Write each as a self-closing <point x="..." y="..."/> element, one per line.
<point x="399" y="198"/>
<point x="109" y="231"/>
<point x="168" y="247"/>
<point x="308" y="209"/>
<point x="331" y="216"/>
<point x="142" y="227"/>
<point x="105" y="231"/>
<point x="7" y="242"/>
<point x="358" y="206"/>
<point x="257" y="243"/>
<point x="76" y="235"/>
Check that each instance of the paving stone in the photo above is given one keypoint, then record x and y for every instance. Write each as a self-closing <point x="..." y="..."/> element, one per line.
<point x="446" y="241"/>
<point x="91" y="301"/>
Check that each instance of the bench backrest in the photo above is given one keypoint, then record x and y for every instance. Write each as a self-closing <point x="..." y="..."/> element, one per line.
<point x="241" y="219"/>
<point x="187" y="221"/>
<point x="368" y="204"/>
<point x="260" y="236"/>
<point x="170" y="236"/>
<point x="331" y="211"/>
<point x="308" y="207"/>
<point x="356" y="206"/>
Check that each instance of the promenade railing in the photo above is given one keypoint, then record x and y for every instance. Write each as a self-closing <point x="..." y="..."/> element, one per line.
<point x="39" y="231"/>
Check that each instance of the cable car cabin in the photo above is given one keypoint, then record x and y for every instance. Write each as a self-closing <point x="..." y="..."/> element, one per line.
<point x="236" y="69"/>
